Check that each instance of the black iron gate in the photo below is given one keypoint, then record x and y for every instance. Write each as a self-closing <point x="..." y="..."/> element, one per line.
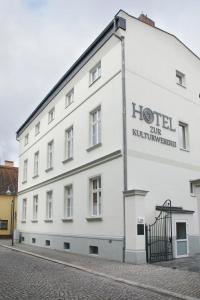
<point x="159" y="236"/>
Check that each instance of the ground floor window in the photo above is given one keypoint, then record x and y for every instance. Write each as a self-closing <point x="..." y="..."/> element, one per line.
<point x="95" y="196"/>
<point x="3" y="224"/>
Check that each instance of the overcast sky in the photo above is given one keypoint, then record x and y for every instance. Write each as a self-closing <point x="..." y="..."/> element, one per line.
<point x="41" y="39"/>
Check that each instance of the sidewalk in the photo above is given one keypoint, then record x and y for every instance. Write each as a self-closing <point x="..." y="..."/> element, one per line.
<point x="153" y="277"/>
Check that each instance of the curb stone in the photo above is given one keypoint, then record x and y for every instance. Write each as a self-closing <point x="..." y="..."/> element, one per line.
<point x="116" y="279"/>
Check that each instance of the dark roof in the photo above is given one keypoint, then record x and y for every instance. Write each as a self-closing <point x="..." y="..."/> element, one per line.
<point x="174" y="209"/>
<point x="8" y="180"/>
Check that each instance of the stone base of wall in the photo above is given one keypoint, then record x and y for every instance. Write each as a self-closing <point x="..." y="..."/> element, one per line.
<point x="108" y="247"/>
<point x="135" y="257"/>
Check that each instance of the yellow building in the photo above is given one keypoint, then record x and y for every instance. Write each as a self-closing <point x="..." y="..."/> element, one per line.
<point x="8" y="198"/>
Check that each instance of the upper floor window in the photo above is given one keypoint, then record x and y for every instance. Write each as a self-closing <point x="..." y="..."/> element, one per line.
<point x="26" y="139"/>
<point x="69" y="98"/>
<point x="35" y="207"/>
<point x="68" y="202"/>
<point x="95" y="126"/>
<point x="50" y="155"/>
<point x="95" y="73"/>
<point x="69" y="143"/>
<point x="25" y="170"/>
<point x="95" y="196"/>
<point x="37" y="128"/>
<point x="51" y="115"/>
<point x="183" y="136"/>
<point x="49" y="205"/>
<point x="36" y="164"/>
<point x="180" y="78"/>
<point x="24" y="209"/>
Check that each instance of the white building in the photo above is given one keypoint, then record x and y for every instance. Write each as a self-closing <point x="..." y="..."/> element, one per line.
<point x="114" y="139"/>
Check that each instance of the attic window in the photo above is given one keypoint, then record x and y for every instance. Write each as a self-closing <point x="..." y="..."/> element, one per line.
<point x="180" y="77"/>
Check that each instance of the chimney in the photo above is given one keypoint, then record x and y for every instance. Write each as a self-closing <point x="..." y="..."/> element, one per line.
<point x="9" y="163"/>
<point x="143" y="18"/>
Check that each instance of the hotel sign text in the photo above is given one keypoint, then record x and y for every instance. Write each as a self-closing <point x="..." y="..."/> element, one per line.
<point x="157" y="121"/>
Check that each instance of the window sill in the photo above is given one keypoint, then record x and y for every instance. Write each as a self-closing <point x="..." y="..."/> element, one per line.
<point x="23" y="221"/>
<point x="181" y="85"/>
<point x="49" y="169"/>
<point x="34" y="221"/>
<point x="65" y="220"/>
<point x="185" y="150"/>
<point x="67" y="160"/>
<point x="94" y="147"/>
<point x="48" y="221"/>
<point x="66" y="106"/>
<point x="25" y="181"/>
<point x="35" y="176"/>
<point x="94" y="81"/>
<point x="94" y="219"/>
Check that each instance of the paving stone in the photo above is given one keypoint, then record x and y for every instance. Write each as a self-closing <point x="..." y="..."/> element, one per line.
<point x="25" y="277"/>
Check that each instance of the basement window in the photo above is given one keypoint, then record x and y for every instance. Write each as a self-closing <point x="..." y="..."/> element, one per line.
<point x="22" y="239"/>
<point x="33" y="240"/>
<point x="66" y="246"/>
<point x="94" y="250"/>
<point x="47" y="242"/>
<point x="3" y="224"/>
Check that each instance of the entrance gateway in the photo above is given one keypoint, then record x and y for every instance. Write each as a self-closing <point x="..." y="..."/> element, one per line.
<point x="159" y="236"/>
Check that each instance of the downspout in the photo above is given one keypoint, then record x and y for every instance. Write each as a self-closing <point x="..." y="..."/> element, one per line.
<point x="122" y="39"/>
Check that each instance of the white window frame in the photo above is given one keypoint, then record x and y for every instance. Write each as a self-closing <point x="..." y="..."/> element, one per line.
<point x="51" y="115"/>
<point x="69" y="98"/>
<point x="95" y="73"/>
<point x="180" y="77"/>
<point x="95" y="126"/>
<point x="25" y="170"/>
<point x="50" y="154"/>
<point x="183" y="136"/>
<point x="96" y="210"/>
<point x="37" y="128"/>
<point x="26" y="139"/>
<point x="68" y="201"/>
<point x="36" y="164"/>
<point x="35" y="207"/>
<point x="49" y="205"/>
<point x="69" y="143"/>
<point x="24" y="209"/>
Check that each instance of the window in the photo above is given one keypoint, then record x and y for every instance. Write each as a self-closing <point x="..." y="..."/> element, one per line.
<point x="95" y="73"/>
<point x="37" y="128"/>
<point x="49" y="205"/>
<point x="95" y="127"/>
<point x="24" y="208"/>
<point x="47" y="243"/>
<point x="69" y="98"/>
<point x="36" y="163"/>
<point x="35" y="207"/>
<point x="33" y="240"/>
<point x="26" y="139"/>
<point x="3" y="224"/>
<point x="66" y="246"/>
<point x="180" y="78"/>
<point x="95" y="196"/>
<point x="51" y="115"/>
<point x="68" y="202"/>
<point x="69" y="143"/>
<point x="25" y="170"/>
<point x="183" y="136"/>
<point x="50" y="155"/>
<point x="94" y="250"/>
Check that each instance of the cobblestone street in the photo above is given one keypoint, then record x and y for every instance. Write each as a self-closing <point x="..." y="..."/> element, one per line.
<point x="26" y="277"/>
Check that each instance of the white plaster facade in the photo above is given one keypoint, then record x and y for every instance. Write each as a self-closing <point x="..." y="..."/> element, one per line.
<point x="155" y="171"/>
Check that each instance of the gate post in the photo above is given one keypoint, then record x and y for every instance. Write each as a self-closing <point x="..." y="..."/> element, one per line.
<point x="135" y="251"/>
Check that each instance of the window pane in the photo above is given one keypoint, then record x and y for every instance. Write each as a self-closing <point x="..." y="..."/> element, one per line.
<point x="180" y="231"/>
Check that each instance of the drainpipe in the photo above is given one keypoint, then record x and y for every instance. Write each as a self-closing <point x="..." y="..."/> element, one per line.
<point x="122" y="38"/>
